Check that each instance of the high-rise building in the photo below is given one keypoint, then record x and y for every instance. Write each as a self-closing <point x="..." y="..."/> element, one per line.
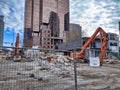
<point x="1" y="30"/>
<point x="45" y="21"/>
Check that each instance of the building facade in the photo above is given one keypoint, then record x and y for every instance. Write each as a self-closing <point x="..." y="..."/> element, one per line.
<point x="72" y="38"/>
<point x="1" y="30"/>
<point x="94" y="48"/>
<point x="113" y="42"/>
<point x="73" y="33"/>
<point x="113" y="45"/>
<point x="70" y="45"/>
<point x="45" y="22"/>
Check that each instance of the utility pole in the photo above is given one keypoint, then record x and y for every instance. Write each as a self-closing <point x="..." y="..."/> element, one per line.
<point x="75" y="69"/>
<point x="13" y="37"/>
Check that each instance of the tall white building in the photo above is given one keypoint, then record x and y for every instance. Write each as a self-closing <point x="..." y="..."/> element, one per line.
<point x="113" y="44"/>
<point x="94" y="48"/>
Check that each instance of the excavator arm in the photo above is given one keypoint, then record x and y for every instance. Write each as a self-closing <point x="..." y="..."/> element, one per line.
<point x="103" y="40"/>
<point x="16" y="44"/>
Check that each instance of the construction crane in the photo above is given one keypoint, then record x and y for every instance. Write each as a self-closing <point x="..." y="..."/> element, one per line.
<point x="16" y="49"/>
<point x="103" y="40"/>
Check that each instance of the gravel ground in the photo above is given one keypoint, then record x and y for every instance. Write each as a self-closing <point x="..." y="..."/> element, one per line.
<point x="21" y="76"/>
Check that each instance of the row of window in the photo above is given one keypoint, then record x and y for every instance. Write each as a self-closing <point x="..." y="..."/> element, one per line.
<point x="46" y="39"/>
<point x="113" y="37"/>
<point x="47" y="46"/>
<point x="46" y="31"/>
<point x="113" y="44"/>
<point x="46" y="42"/>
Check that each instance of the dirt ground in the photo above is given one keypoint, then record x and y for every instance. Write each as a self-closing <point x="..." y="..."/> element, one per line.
<point x="29" y="76"/>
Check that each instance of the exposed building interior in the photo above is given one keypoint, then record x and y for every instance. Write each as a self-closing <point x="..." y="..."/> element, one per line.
<point x="45" y="23"/>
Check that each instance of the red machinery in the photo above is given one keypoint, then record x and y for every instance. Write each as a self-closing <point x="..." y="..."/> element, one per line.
<point x="103" y="40"/>
<point x="16" y="49"/>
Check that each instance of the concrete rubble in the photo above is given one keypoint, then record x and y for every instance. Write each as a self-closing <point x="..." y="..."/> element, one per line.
<point x="56" y="72"/>
<point x="52" y="64"/>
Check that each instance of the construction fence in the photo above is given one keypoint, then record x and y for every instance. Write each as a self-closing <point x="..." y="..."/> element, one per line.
<point x="35" y="69"/>
<point x="38" y="69"/>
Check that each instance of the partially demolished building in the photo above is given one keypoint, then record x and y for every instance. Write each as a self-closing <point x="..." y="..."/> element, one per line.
<point x="45" y="23"/>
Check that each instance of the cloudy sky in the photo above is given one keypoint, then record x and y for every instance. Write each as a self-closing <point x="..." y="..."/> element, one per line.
<point x="90" y="14"/>
<point x="13" y="12"/>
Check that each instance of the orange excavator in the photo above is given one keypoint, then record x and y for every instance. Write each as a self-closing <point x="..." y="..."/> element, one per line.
<point x="103" y="40"/>
<point x="16" y="49"/>
<point x="17" y="55"/>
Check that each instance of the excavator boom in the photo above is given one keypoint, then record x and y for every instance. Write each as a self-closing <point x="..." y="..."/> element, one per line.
<point x="16" y="44"/>
<point x="103" y="40"/>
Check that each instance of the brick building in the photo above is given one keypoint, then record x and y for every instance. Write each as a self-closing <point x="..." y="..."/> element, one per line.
<point x="45" y="22"/>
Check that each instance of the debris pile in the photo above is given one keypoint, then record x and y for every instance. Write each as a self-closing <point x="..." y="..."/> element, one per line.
<point x="111" y="61"/>
<point x="47" y="65"/>
<point x="55" y="64"/>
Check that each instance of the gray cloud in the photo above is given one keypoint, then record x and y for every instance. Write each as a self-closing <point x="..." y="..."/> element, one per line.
<point x="13" y="11"/>
<point x="91" y="14"/>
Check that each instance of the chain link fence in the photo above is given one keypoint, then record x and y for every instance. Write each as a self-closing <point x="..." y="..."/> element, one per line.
<point x="40" y="69"/>
<point x="35" y="69"/>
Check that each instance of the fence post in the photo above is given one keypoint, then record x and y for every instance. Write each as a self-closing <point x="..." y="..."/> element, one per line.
<point x="75" y="69"/>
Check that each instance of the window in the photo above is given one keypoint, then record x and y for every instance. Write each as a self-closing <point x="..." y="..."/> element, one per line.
<point x="112" y="37"/>
<point x="93" y="45"/>
<point x="48" y="31"/>
<point x="111" y="44"/>
<point x="48" y="35"/>
<point x="83" y="42"/>
<point x="115" y="44"/>
<point x="97" y="53"/>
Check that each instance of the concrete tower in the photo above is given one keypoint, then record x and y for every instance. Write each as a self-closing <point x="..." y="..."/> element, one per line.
<point x="1" y="30"/>
<point x="45" y="21"/>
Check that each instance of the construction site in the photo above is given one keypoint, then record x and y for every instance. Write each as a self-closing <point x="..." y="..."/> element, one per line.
<point x="55" y="55"/>
<point x="51" y="70"/>
<point x="43" y="69"/>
